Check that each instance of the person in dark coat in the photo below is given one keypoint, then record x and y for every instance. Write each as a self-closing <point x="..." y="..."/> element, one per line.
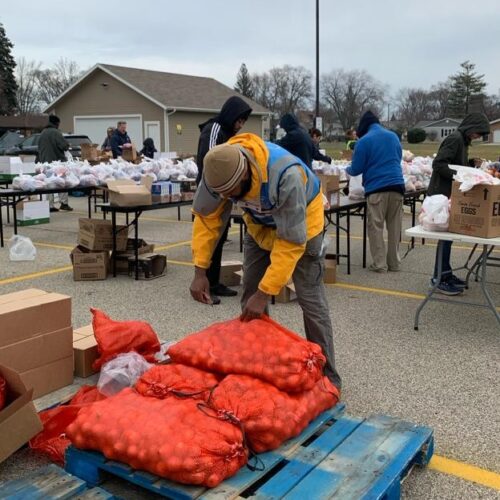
<point x="52" y="146"/>
<point x="120" y="139"/>
<point x="296" y="140"/>
<point x="149" y="149"/>
<point x="316" y="139"/>
<point x="106" y="145"/>
<point x="453" y="151"/>
<point x="230" y="120"/>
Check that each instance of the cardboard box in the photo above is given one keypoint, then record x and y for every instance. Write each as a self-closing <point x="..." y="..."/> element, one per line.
<point x="90" y="152"/>
<point x="122" y="258"/>
<point x="330" y="275"/>
<point x="129" y="154"/>
<point x="287" y="294"/>
<point x="85" y="331"/>
<point x="151" y="265"/>
<point x="85" y="353"/>
<point x="475" y="212"/>
<point x="30" y="317"/>
<point x="187" y="196"/>
<point x="330" y="186"/>
<point x="97" y="235"/>
<point x="88" y="265"/>
<point x="31" y="213"/>
<point x="126" y="193"/>
<point x="38" y="351"/>
<point x="77" y="337"/>
<point x="161" y="198"/>
<point x="22" y="295"/>
<point x="228" y="271"/>
<point x="49" y="377"/>
<point x="14" y="165"/>
<point x="19" y="420"/>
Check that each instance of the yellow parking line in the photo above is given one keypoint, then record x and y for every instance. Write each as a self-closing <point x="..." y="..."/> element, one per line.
<point x="384" y="291"/>
<point x="465" y="471"/>
<point x="180" y="263"/>
<point x="53" y="245"/>
<point x="147" y="218"/>
<point x="39" y="274"/>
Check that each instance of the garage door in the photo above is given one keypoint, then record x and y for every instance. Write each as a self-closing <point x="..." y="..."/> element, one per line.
<point x="496" y="136"/>
<point x="95" y="127"/>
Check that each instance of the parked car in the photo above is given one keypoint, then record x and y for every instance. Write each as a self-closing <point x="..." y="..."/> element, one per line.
<point x="9" y="140"/>
<point x="30" y="145"/>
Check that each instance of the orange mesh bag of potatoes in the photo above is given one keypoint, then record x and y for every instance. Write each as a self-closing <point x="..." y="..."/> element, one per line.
<point x="118" y="337"/>
<point x="174" y="379"/>
<point x="170" y="437"/>
<point x="270" y="416"/>
<point x="260" y="348"/>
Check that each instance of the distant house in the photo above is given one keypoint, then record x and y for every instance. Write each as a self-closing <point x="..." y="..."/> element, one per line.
<point x="25" y="124"/>
<point x="438" y="130"/>
<point x="165" y="106"/>
<point x="494" y="136"/>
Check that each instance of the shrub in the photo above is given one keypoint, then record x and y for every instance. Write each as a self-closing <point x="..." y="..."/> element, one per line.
<point x="416" y="135"/>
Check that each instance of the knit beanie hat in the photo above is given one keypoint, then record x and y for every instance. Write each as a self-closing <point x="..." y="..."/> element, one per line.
<point x="366" y="121"/>
<point x="223" y="168"/>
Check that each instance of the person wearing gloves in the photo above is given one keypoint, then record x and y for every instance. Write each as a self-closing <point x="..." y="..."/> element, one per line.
<point x="52" y="146"/>
<point x="377" y="157"/>
<point x="233" y="115"/>
<point x="296" y="141"/>
<point x="316" y="139"/>
<point x="283" y="210"/>
<point x="453" y="151"/>
<point x="120" y="139"/>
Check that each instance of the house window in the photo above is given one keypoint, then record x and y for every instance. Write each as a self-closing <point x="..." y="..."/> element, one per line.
<point x="442" y="132"/>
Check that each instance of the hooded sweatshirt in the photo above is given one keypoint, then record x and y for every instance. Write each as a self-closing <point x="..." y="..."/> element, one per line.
<point x="378" y="157"/>
<point x="296" y="141"/>
<point x="149" y="149"/>
<point x="220" y="129"/>
<point x="52" y="145"/>
<point x="454" y="151"/>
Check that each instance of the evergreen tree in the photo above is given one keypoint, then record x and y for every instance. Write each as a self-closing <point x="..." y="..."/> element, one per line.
<point x="244" y="83"/>
<point x="464" y="85"/>
<point x="8" y="85"/>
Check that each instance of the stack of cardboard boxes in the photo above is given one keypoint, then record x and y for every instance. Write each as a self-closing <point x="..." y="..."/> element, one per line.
<point x="36" y="338"/>
<point x="85" y="351"/>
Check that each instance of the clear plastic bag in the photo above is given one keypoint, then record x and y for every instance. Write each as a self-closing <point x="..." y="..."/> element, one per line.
<point x="435" y="213"/>
<point x="27" y="183"/>
<point x="356" y="189"/>
<point x="21" y="248"/>
<point x="121" y="372"/>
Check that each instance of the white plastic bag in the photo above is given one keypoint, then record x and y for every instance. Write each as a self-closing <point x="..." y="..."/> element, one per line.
<point x="356" y="189"/>
<point x="470" y="177"/>
<point x="435" y="213"/>
<point x="121" y="372"/>
<point x="21" y="248"/>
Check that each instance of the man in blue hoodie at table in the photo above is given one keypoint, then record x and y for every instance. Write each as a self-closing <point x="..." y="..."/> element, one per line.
<point x="378" y="157"/>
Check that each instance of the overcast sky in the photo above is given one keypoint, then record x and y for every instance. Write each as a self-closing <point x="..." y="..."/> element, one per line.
<point x="400" y="43"/>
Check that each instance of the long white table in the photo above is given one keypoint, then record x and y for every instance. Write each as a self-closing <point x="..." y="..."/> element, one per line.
<point x="487" y="245"/>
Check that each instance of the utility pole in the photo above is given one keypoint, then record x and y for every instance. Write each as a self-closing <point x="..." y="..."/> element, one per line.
<point x="319" y="122"/>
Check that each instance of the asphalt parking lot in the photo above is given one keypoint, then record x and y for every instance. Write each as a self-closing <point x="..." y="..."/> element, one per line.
<point x="444" y="376"/>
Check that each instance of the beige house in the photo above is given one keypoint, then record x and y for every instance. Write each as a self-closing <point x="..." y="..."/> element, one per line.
<point x="167" y="107"/>
<point x="494" y="136"/>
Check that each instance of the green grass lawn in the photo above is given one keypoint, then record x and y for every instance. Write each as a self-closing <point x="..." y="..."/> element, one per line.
<point x="477" y="150"/>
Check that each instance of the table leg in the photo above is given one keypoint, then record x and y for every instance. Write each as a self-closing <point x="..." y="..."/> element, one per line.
<point x="126" y="219"/>
<point x="89" y="203"/>
<point x="113" y="230"/>
<point x="484" y="260"/>
<point x="241" y="235"/>
<point x="436" y="284"/>
<point x="8" y="213"/>
<point x="1" y="225"/>
<point x="14" y="214"/>
<point x="413" y="219"/>
<point x="364" y="236"/>
<point x="337" y="236"/>
<point x="348" y="242"/>
<point x="136" y="244"/>
<point x="178" y="212"/>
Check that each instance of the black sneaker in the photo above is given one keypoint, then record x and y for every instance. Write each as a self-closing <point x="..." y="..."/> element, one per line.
<point x="53" y="209"/>
<point x="456" y="281"/>
<point x="446" y="288"/>
<point x="223" y="291"/>
<point x="65" y="207"/>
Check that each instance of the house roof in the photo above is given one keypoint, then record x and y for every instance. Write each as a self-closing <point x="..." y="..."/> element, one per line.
<point x="171" y="90"/>
<point x="24" y="122"/>
<point x="495" y="121"/>
<point x="434" y="123"/>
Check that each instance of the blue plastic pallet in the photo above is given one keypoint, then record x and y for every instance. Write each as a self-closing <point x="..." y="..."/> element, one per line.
<point x="336" y="456"/>
<point x="51" y="483"/>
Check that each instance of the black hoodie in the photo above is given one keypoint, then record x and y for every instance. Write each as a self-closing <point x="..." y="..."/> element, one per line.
<point x="365" y="122"/>
<point x="454" y="151"/>
<point x="296" y="141"/>
<point x="220" y="129"/>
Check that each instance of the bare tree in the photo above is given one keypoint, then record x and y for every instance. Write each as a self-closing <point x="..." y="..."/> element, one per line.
<point x="414" y="105"/>
<point x="54" y="81"/>
<point x="27" y="86"/>
<point x="283" y="90"/>
<point x="350" y="93"/>
<point x="440" y="94"/>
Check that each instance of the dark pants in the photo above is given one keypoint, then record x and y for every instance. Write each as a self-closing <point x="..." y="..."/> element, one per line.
<point x="446" y="270"/>
<point x="311" y="295"/>
<point x="213" y="272"/>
